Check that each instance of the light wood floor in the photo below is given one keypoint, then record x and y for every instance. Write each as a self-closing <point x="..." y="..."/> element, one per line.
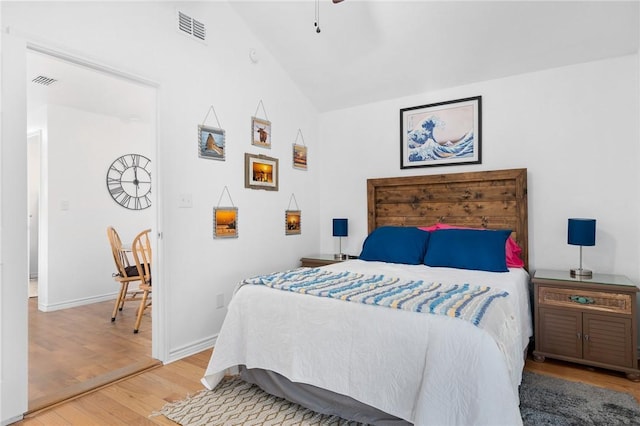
<point x="580" y="373"/>
<point x="132" y="400"/>
<point x="78" y="349"/>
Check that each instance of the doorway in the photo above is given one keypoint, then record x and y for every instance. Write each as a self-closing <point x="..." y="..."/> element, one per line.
<point x="84" y="119"/>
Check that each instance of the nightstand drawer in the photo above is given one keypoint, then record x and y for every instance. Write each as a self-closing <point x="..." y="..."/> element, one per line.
<point x="585" y="300"/>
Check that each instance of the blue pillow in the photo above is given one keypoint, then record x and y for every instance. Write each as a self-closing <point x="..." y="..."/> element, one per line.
<point x="482" y="250"/>
<point x="396" y="244"/>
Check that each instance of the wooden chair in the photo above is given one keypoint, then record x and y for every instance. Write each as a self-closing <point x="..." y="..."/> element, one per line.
<point x="125" y="272"/>
<point x="141" y="249"/>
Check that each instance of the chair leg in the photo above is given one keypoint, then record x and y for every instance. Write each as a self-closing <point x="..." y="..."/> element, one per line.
<point x="143" y="305"/>
<point x="123" y="296"/>
<point x="120" y="300"/>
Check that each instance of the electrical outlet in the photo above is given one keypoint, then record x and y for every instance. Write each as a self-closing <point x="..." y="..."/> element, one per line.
<point x="185" y="201"/>
<point x="220" y="301"/>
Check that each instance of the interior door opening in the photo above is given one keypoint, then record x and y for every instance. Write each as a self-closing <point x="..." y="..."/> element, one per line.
<point x="80" y="119"/>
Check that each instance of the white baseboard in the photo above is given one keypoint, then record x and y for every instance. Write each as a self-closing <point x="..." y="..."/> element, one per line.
<point x="75" y="303"/>
<point x="12" y="420"/>
<point x="192" y="349"/>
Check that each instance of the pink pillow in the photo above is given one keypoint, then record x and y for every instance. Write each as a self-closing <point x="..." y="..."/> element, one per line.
<point x="512" y="249"/>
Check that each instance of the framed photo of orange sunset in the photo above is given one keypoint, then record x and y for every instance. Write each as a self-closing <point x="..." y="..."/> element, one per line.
<point x="293" y="225"/>
<point x="225" y="222"/>
<point x="260" y="172"/>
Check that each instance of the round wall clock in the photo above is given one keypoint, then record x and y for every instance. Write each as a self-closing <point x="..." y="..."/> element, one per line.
<point x="129" y="181"/>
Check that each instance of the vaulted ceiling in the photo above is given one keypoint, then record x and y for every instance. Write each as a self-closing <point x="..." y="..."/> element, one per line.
<point x="373" y="50"/>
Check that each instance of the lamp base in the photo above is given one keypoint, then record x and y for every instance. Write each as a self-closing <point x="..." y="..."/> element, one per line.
<point x="340" y="256"/>
<point x="579" y="272"/>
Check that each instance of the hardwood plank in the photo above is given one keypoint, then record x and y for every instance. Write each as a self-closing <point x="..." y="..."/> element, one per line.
<point x="41" y="421"/>
<point x="79" y="388"/>
<point x="92" y="405"/>
<point x="76" y="350"/>
<point x="72" y="415"/>
<point x="49" y="418"/>
<point x="501" y="209"/>
<point x="449" y="192"/>
<point x="581" y="373"/>
<point x="133" y="400"/>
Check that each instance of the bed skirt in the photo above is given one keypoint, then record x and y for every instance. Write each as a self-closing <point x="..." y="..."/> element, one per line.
<point x="318" y="399"/>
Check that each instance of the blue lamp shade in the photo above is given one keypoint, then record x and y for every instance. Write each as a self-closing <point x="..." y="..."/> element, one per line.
<point x="340" y="227"/>
<point x="582" y="232"/>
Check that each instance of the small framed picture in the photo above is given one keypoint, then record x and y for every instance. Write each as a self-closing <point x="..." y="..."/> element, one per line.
<point x="293" y="226"/>
<point x="225" y="222"/>
<point x="441" y="134"/>
<point x="299" y="157"/>
<point x="211" y="142"/>
<point x="260" y="132"/>
<point x="260" y="172"/>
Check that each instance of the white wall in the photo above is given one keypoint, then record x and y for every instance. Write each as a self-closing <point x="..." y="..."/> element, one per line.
<point x="141" y="39"/>
<point x="33" y="181"/>
<point x="574" y="128"/>
<point x="80" y="147"/>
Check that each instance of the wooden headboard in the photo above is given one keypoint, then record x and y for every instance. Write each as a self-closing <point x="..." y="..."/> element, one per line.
<point x="494" y="200"/>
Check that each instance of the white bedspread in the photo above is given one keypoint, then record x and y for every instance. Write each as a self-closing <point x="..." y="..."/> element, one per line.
<point x="427" y="369"/>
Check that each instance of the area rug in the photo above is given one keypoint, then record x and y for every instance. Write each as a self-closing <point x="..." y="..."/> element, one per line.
<point x="236" y="402"/>
<point x="550" y="401"/>
<point x="544" y="401"/>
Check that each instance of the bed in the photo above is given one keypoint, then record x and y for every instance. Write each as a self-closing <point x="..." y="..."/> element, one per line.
<point x="345" y="355"/>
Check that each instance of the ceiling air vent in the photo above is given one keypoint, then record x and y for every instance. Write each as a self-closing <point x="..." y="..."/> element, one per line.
<point x="191" y="26"/>
<point x="45" y="81"/>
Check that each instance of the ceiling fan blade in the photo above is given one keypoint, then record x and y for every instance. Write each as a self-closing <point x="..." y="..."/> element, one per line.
<point x="337" y="1"/>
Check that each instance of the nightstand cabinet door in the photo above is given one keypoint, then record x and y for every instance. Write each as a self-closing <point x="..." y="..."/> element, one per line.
<point x="560" y="332"/>
<point x="592" y="321"/>
<point x="607" y="339"/>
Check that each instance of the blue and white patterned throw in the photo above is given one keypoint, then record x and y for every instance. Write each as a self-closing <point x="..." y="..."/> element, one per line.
<point x="464" y="301"/>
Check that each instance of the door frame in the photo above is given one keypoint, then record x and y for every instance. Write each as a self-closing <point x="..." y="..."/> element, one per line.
<point x="13" y="209"/>
<point x="159" y="341"/>
<point x="31" y="223"/>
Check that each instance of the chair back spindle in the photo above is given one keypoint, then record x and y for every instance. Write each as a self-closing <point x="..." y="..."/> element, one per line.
<point x="141" y="250"/>
<point x="125" y="272"/>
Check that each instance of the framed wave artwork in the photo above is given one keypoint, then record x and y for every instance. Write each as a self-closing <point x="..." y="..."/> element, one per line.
<point x="441" y="134"/>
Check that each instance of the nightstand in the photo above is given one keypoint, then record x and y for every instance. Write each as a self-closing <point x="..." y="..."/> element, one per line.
<point x="592" y="321"/>
<point x="317" y="260"/>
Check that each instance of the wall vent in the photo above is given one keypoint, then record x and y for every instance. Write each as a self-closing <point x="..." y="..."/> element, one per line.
<point x="45" y="81"/>
<point x="191" y="26"/>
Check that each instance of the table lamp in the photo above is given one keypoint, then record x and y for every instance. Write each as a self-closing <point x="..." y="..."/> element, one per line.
<point x="340" y="229"/>
<point x="581" y="232"/>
